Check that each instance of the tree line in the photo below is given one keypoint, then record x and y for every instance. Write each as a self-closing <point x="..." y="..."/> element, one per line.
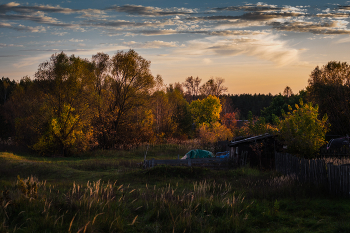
<point x="76" y="104"/>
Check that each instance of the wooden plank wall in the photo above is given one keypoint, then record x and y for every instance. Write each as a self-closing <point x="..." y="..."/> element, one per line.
<point x="317" y="172"/>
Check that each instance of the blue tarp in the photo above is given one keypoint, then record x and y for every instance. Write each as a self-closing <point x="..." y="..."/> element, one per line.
<point x="223" y="155"/>
<point x="196" y="154"/>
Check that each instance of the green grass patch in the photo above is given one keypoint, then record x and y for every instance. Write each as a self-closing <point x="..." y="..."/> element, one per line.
<point x="109" y="191"/>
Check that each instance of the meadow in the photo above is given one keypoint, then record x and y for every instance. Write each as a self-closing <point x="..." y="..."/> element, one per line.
<point x="109" y="191"/>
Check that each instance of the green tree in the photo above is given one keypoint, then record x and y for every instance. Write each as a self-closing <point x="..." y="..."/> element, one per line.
<point x="329" y="87"/>
<point x="255" y="126"/>
<point x="24" y="112"/>
<point x="206" y="110"/>
<point x="128" y="90"/>
<point x="6" y="88"/>
<point x="302" y="130"/>
<point x="279" y="105"/>
<point x="181" y="115"/>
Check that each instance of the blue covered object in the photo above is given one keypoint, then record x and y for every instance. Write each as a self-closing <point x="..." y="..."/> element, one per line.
<point x="223" y="155"/>
<point x="198" y="154"/>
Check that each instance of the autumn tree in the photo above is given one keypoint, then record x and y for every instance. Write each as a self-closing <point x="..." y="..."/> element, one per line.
<point x="229" y="120"/>
<point x="210" y="134"/>
<point x="329" y="87"/>
<point x="206" y="110"/>
<point x="303" y="131"/>
<point x="163" y="112"/>
<point x="129" y="87"/>
<point x="68" y="85"/>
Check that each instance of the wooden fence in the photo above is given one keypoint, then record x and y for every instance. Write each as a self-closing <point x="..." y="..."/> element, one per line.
<point x="228" y="162"/>
<point x="342" y="151"/>
<point x="187" y="162"/>
<point x="316" y="171"/>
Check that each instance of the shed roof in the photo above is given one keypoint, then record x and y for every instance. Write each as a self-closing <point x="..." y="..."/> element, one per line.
<point x="250" y="139"/>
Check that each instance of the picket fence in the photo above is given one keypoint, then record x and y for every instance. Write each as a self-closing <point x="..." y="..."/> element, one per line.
<point x="316" y="171"/>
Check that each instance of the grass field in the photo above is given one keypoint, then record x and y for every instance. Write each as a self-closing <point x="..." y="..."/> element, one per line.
<point x="108" y="191"/>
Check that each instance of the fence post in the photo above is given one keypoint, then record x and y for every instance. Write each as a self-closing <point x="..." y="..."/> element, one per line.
<point x="276" y="160"/>
<point x="153" y="162"/>
<point x="189" y="162"/>
<point x="348" y="181"/>
<point x="329" y="168"/>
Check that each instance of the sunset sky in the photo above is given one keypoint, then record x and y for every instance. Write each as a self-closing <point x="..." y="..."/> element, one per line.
<point x="257" y="47"/>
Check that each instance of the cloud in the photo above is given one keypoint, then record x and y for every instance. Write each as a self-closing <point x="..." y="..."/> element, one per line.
<point x="329" y="28"/>
<point x="9" y="45"/>
<point x="151" y="44"/>
<point x="253" y="16"/>
<point x="343" y="40"/>
<point x="344" y="8"/>
<point x="14" y="11"/>
<point x="75" y="40"/>
<point x="16" y="7"/>
<point x="22" y="27"/>
<point x="59" y="33"/>
<point x="207" y="61"/>
<point x="116" y="23"/>
<point x="333" y="15"/>
<point x="159" y="32"/>
<point x="151" y="11"/>
<point x="259" y="7"/>
<point x="264" y="47"/>
<point x="38" y="19"/>
<point x="203" y="32"/>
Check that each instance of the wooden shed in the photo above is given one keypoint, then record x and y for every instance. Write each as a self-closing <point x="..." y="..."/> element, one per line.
<point x="255" y="150"/>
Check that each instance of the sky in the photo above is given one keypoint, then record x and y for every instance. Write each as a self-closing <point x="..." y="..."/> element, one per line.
<point x="257" y="47"/>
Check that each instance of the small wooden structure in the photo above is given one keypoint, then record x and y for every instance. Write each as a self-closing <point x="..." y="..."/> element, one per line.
<point x="242" y="149"/>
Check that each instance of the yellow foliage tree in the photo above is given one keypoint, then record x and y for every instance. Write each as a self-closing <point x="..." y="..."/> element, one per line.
<point x="302" y="130"/>
<point x="206" y="110"/>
